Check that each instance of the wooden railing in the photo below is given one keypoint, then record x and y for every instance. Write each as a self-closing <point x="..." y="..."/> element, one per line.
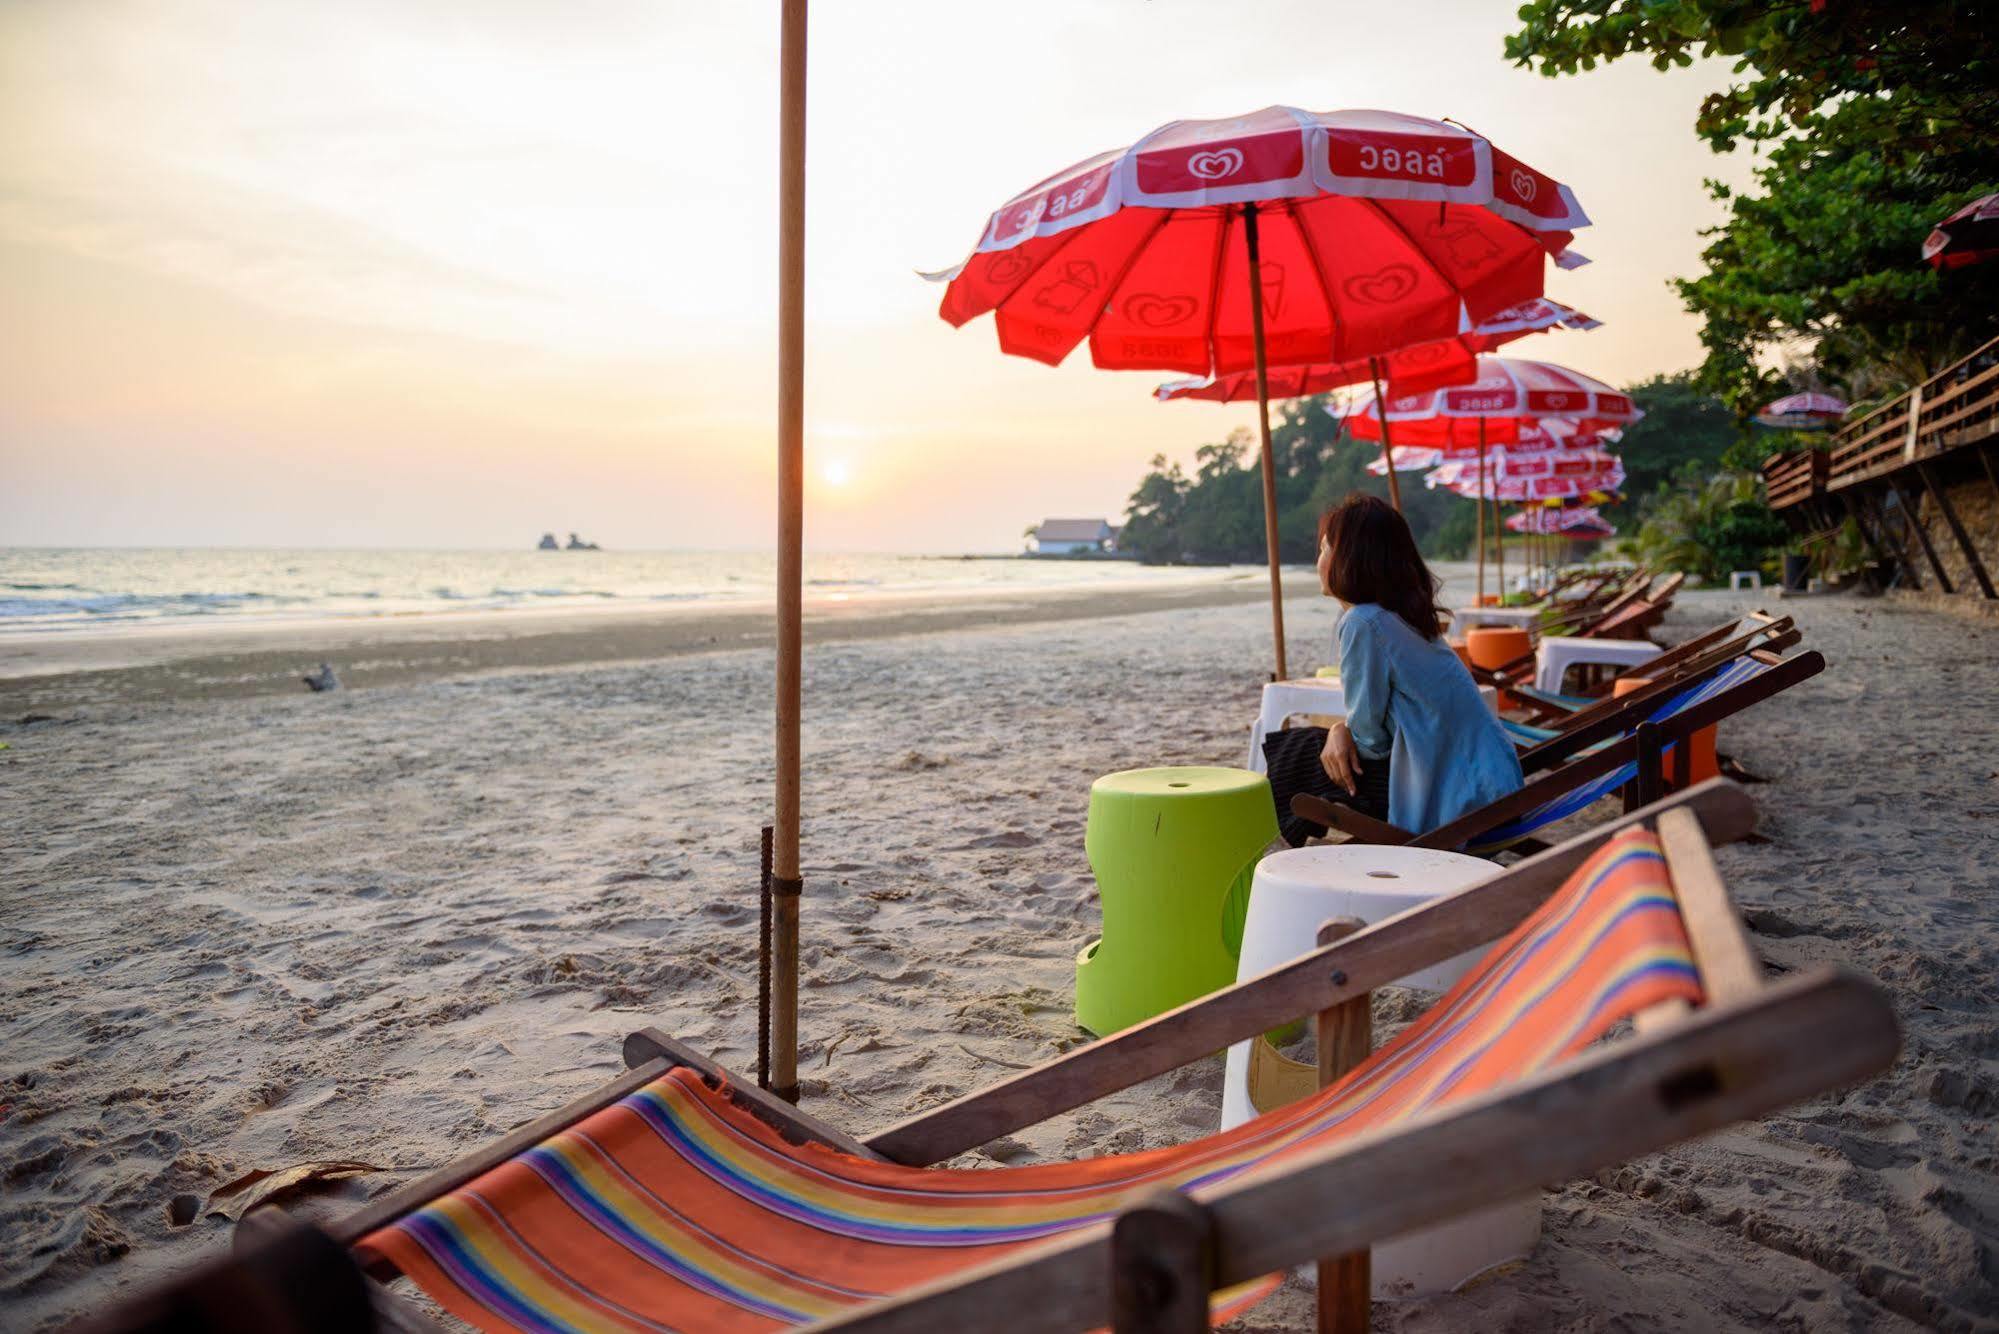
<point x="1791" y="479"/>
<point x="1958" y="406"/>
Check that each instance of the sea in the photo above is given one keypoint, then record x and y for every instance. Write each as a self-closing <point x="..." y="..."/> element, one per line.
<point x="50" y="589"/>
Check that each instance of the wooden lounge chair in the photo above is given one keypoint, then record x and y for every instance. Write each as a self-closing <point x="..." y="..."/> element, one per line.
<point x="1626" y="747"/>
<point x="1550" y="715"/>
<point x="679" y="1197"/>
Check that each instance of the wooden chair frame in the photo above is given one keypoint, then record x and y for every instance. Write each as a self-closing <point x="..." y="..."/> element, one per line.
<point x="1750" y="1048"/>
<point x="1610" y="715"/>
<point x="1729" y="639"/>
<point x="1563" y="766"/>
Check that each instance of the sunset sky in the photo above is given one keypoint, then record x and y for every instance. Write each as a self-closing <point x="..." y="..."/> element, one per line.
<point x="373" y="273"/>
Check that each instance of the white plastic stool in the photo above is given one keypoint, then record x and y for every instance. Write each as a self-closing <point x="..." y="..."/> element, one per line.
<point x="1555" y="654"/>
<point x="1293" y="893"/>
<point x="1745" y="579"/>
<point x="1320" y="696"/>
<point x="1524" y="618"/>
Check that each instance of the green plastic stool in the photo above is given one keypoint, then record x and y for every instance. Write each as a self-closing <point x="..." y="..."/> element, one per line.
<point x="1174" y="852"/>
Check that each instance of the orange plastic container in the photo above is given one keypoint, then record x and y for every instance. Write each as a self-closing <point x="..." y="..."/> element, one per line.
<point x="1703" y="764"/>
<point x="1493" y="646"/>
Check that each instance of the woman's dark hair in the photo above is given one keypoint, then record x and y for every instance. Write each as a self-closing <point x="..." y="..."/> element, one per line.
<point x="1375" y="560"/>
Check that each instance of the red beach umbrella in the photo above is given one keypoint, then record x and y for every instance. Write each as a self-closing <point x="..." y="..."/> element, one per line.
<point x="1414" y="369"/>
<point x="1803" y="412"/>
<point x="1281" y="237"/>
<point x="1511" y="396"/>
<point x="1968" y="236"/>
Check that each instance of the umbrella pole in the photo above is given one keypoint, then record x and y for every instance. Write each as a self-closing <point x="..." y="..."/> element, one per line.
<point x="1479" y="502"/>
<point x="1387" y="450"/>
<point x="786" y="885"/>
<point x="1263" y="433"/>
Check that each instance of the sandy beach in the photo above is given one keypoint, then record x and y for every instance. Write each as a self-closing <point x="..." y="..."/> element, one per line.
<point x="246" y="927"/>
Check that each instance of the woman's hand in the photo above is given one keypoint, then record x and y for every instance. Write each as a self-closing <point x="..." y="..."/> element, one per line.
<point x="1341" y="757"/>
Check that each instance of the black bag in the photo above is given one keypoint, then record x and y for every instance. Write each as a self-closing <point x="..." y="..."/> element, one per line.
<point x="1292" y="761"/>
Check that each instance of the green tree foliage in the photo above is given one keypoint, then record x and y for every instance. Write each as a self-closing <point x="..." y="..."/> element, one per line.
<point x="1711" y="527"/>
<point x="1872" y="119"/>
<point x="1216" y="515"/>
<point x="1686" y="432"/>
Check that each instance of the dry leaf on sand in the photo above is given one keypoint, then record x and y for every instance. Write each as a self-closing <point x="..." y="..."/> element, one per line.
<point x="256" y="1187"/>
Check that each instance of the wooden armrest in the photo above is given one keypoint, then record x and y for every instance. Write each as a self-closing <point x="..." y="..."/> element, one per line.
<point x="1355" y="825"/>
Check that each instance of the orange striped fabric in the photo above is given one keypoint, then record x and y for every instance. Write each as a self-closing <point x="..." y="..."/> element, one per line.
<point x="674" y="1209"/>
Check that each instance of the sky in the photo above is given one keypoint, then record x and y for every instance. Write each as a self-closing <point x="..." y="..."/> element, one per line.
<point x="367" y="273"/>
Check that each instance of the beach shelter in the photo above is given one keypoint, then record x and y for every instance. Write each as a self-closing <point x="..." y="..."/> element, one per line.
<point x="1802" y="412"/>
<point x="1281" y="237"/>
<point x="1968" y="236"/>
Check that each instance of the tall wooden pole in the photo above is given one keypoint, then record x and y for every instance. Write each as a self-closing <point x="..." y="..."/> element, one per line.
<point x="786" y="884"/>
<point x="1387" y="450"/>
<point x="1480" y="502"/>
<point x="1263" y="432"/>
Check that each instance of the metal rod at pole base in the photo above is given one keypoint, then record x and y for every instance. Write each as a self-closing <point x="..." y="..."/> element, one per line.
<point x="1263" y="432"/>
<point x="763" y="967"/>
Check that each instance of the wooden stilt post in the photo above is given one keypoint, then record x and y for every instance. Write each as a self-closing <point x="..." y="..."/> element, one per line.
<point x="1860" y="522"/>
<point x="1922" y="533"/>
<point x="1387" y="449"/>
<point x="786" y="886"/>
<point x="1162" y="1267"/>
<point x="1950" y="519"/>
<point x="1904" y="545"/>
<point x="1346" y="1036"/>
<point x="1263" y="435"/>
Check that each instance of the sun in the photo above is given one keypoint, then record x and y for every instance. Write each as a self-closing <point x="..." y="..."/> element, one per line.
<point x="836" y="472"/>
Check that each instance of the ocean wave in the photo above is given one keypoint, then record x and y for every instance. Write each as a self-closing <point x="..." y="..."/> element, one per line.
<point x="127" y="605"/>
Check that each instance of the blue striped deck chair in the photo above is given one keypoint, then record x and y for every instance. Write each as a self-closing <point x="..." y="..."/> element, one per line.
<point x="1633" y="757"/>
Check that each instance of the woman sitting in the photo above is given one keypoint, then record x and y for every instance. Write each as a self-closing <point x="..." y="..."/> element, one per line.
<point x="1418" y="746"/>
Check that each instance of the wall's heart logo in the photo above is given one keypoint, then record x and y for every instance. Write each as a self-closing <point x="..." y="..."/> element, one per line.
<point x="1214" y="164"/>
<point x="1524" y="185"/>
<point x="1423" y="354"/>
<point x="1158" y="312"/>
<point x="1382" y="286"/>
<point x="1007" y="266"/>
<point x="1555" y="401"/>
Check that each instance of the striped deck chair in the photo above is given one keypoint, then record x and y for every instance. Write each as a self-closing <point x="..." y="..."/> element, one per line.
<point x="1756" y="630"/>
<point x="678" y="1199"/>
<point x="1628" y="748"/>
<point x="1677" y="669"/>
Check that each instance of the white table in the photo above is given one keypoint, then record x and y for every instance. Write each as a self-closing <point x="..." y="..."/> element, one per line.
<point x="1521" y="618"/>
<point x="1292" y="894"/>
<point x="1555" y="654"/>
<point x="1320" y="696"/>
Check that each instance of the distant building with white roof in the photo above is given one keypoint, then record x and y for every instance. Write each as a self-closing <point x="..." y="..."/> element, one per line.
<point x="1071" y="537"/>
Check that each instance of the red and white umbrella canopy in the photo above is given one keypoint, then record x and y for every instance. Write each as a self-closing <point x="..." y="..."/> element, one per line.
<point x="1376" y="230"/>
<point x="1580" y="522"/>
<point x="1556" y="475"/>
<point x="1510" y="396"/>
<point x="1803" y="412"/>
<point x="1413" y="369"/>
<point x="1406" y="460"/>
<point x="1968" y="236"/>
